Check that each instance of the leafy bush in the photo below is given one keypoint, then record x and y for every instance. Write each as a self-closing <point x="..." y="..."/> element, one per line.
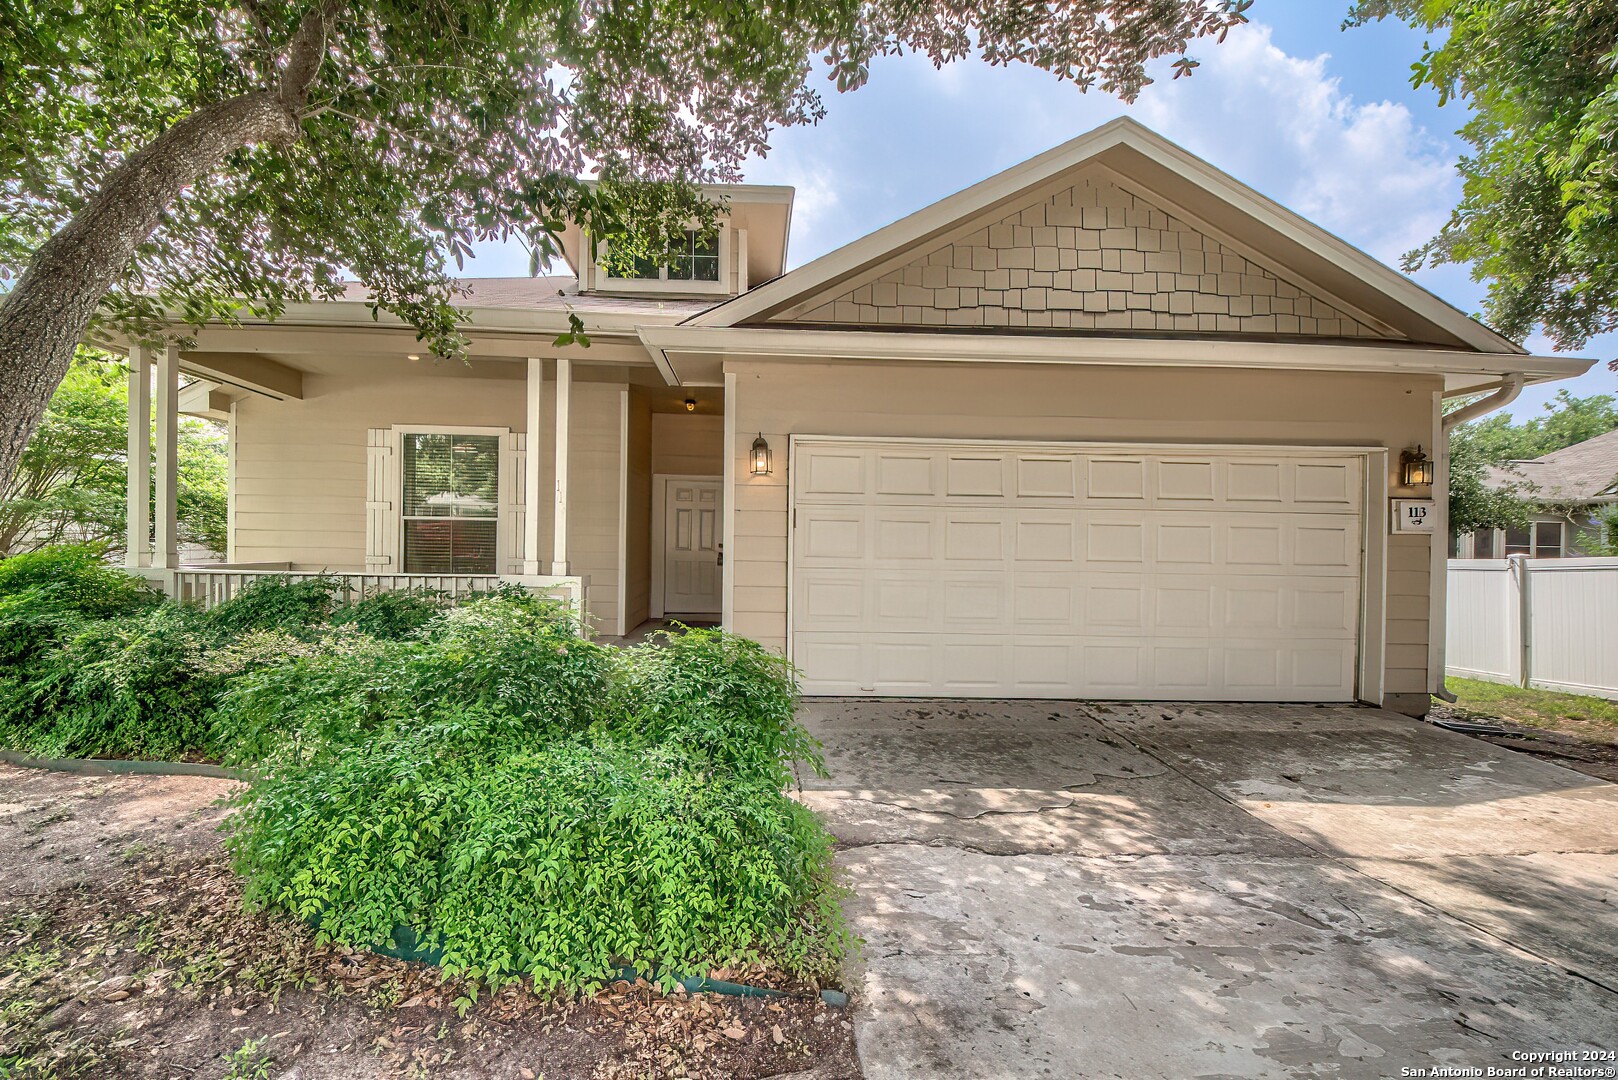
<point x="47" y="598"/>
<point x="720" y="699"/>
<point x="129" y="686"/>
<point x="75" y="576"/>
<point x="526" y="801"/>
<point x="391" y="615"/>
<point x="562" y="862"/>
<point x="278" y="602"/>
<point x="497" y="661"/>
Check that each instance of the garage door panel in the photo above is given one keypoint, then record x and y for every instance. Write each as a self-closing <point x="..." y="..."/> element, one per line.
<point x="975" y="538"/>
<point x="831" y="471"/>
<point x="828" y="536"/>
<point x="997" y="571"/>
<point x="906" y="474"/>
<point x="908" y="535"/>
<point x="1042" y="476"/>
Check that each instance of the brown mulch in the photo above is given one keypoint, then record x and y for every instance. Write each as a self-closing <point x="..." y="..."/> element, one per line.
<point x="1593" y="756"/>
<point x="125" y="952"/>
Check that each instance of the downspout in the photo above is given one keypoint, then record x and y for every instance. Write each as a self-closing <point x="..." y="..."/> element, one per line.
<point x="1510" y="387"/>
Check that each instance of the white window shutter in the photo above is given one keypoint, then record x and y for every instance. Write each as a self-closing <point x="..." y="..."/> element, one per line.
<point x="382" y="500"/>
<point x="513" y="486"/>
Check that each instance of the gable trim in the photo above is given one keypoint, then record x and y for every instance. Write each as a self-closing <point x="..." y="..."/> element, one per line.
<point x="1473" y="369"/>
<point x="1004" y="188"/>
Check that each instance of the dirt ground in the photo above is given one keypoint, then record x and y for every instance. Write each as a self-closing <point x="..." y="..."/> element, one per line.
<point x="1580" y="745"/>
<point x="125" y="952"/>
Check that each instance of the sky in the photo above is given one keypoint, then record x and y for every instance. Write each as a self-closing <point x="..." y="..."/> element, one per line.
<point x="1320" y="119"/>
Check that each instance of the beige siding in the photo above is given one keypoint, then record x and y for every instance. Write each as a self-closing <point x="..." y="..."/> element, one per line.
<point x="1069" y="403"/>
<point x="1092" y="256"/>
<point x="685" y="444"/>
<point x="300" y="466"/>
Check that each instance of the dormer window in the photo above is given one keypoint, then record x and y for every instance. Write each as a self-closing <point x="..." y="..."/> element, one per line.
<point x="696" y="259"/>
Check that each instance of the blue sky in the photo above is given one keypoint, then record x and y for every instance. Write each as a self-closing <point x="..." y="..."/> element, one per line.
<point x="1322" y="120"/>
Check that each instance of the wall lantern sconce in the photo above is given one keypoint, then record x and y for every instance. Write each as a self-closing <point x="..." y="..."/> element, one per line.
<point x="1415" y="468"/>
<point x="690" y="404"/>
<point x="761" y="456"/>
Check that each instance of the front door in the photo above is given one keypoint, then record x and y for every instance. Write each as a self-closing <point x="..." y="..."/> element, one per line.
<point x="691" y="536"/>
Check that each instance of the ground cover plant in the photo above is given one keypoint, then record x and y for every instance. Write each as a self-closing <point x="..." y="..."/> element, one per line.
<point x="483" y="780"/>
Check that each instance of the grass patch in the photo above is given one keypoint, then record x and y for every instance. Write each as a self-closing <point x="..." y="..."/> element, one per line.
<point x="1535" y="708"/>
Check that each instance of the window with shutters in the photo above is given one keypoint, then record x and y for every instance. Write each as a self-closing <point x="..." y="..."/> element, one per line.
<point x="451" y="503"/>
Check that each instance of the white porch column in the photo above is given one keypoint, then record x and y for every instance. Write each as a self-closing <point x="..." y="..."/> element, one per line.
<point x="531" y="466"/>
<point x="138" y="516"/>
<point x="166" y="552"/>
<point x="564" y="395"/>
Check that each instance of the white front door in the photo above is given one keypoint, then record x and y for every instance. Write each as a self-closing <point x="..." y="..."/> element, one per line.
<point x="973" y="569"/>
<point x="691" y="536"/>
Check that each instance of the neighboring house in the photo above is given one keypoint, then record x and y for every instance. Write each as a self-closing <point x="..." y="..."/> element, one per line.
<point x="1108" y="424"/>
<point x="1570" y="486"/>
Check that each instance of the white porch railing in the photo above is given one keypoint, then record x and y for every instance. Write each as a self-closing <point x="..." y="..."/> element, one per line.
<point x="1547" y="623"/>
<point x="210" y="585"/>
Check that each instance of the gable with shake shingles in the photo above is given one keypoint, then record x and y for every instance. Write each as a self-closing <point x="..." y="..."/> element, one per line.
<point x="1091" y="256"/>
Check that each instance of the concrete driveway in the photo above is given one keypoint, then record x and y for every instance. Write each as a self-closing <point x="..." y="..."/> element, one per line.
<point x="1052" y="889"/>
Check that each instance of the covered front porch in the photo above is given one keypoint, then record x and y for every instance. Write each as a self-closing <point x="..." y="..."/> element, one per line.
<point x="588" y="479"/>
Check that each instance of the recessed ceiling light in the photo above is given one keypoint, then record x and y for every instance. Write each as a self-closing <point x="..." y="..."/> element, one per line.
<point x="413" y="356"/>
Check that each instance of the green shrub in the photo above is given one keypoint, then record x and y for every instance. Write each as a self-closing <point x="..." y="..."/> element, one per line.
<point x="77" y="577"/>
<point x="526" y="801"/>
<point x="132" y="686"/>
<point x="278" y="602"/>
<point x="391" y="615"/>
<point x="498" y="660"/>
<point x="720" y="699"/>
<point x="561" y="861"/>
<point x="47" y="598"/>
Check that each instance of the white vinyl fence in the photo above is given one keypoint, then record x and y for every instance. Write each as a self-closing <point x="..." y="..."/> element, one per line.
<point x="1549" y="623"/>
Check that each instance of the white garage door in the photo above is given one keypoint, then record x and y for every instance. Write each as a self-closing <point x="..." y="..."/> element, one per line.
<point x="1003" y="570"/>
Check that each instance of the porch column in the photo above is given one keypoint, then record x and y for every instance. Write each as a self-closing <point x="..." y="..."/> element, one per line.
<point x="564" y="395"/>
<point x="138" y="515"/>
<point x="166" y="552"/>
<point x="531" y="466"/>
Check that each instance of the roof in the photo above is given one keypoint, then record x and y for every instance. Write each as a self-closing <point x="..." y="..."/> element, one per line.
<point x="548" y="293"/>
<point x="1178" y="180"/>
<point x="1583" y="472"/>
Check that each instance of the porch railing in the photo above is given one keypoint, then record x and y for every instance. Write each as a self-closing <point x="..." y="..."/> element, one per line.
<point x="211" y="585"/>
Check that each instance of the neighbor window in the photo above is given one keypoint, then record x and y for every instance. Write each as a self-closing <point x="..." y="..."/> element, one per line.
<point x="1541" y="540"/>
<point x="696" y="258"/>
<point x="451" y="503"/>
<point x="1547" y="539"/>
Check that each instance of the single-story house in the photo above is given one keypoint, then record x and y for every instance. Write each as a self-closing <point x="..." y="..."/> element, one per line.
<point x="1570" y="486"/>
<point x="1108" y="424"/>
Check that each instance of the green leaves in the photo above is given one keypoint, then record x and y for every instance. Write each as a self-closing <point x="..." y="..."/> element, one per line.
<point x="432" y="126"/>
<point x="1538" y="217"/>
<point x="540" y="805"/>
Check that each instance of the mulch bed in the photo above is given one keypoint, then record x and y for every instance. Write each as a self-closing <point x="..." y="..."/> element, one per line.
<point x="141" y="962"/>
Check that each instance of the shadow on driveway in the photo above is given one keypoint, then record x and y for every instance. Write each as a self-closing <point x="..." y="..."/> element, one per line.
<point x="1054" y="889"/>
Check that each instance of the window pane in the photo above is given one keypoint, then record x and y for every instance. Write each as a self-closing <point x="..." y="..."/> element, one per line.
<point x="449" y="546"/>
<point x="1518" y="542"/>
<point x="1483" y="545"/>
<point x="1548" y="539"/>
<point x="697" y="260"/>
<point x="451" y="475"/>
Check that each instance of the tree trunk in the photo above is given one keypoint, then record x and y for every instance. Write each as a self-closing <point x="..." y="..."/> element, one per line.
<point x="45" y="315"/>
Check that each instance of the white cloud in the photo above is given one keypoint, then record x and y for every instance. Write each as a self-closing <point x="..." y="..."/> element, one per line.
<point x="1366" y="171"/>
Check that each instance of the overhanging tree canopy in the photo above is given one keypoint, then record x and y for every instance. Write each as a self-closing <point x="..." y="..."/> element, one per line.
<point x="175" y="155"/>
<point x="1538" y="217"/>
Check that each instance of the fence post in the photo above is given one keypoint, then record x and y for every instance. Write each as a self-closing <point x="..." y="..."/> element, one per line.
<point x="1523" y="620"/>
